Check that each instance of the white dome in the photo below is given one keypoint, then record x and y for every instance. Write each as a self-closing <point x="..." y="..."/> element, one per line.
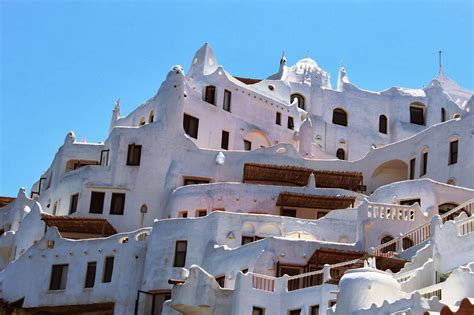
<point x="307" y="64"/>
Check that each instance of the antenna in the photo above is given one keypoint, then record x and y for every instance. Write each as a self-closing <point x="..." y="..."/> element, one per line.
<point x="440" y="65"/>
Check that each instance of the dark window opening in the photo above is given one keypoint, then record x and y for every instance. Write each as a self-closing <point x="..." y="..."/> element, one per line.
<point x="258" y="311"/>
<point x="58" y="277"/>
<point x="210" y="94"/>
<point x="97" y="202"/>
<point x="409" y="202"/>
<point x="295" y="312"/>
<point x="195" y="181"/>
<point x="227" y="99"/>
<point x="247" y="239"/>
<point x="191" y="126"/>
<point x="247" y="145"/>
<point x="412" y="168"/>
<point x="117" y="204"/>
<point x="453" y="152"/>
<point x="73" y="203"/>
<point x="201" y="213"/>
<point x="300" y="99"/>
<point x="407" y="242"/>
<point x="339" y="117"/>
<point x="443" y="115"/>
<point x="390" y="248"/>
<point x="134" y="154"/>
<point x="291" y="123"/>
<point x="108" y="269"/>
<point x="90" y="274"/>
<point x="417" y="115"/>
<point x="278" y="118"/>
<point x="288" y="213"/>
<point x="341" y="154"/>
<point x="314" y="310"/>
<point x="383" y="124"/>
<point x="321" y="214"/>
<point x="221" y="281"/>
<point x="180" y="253"/>
<point x="424" y="163"/>
<point x="225" y="140"/>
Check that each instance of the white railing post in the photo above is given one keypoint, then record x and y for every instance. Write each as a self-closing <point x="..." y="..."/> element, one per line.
<point x="326" y="273"/>
<point x="400" y="243"/>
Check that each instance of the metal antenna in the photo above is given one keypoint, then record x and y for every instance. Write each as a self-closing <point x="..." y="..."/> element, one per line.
<point x="440" y="65"/>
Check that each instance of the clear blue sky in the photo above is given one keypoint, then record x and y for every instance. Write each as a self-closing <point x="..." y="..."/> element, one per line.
<point x="64" y="63"/>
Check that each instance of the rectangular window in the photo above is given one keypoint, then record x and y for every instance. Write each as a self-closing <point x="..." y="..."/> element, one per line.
<point x="104" y="157"/>
<point x="453" y="152"/>
<point x="201" y="213"/>
<point x="58" y="277"/>
<point x="247" y="239"/>
<point x="409" y="202"/>
<point x="180" y="253"/>
<point x="321" y="214"/>
<point x="424" y="163"/>
<point x="210" y="94"/>
<point x="227" y="98"/>
<point x="191" y="126"/>
<point x="108" y="269"/>
<point x="97" y="202"/>
<point x="278" y="118"/>
<point x="90" y="274"/>
<point x="134" y="154"/>
<point x="412" y="168"/>
<point x="314" y="310"/>
<point x="73" y="203"/>
<point x="247" y="145"/>
<point x="225" y="140"/>
<point x="288" y="213"/>
<point x="221" y="281"/>
<point x="183" y="214"/>
<point x="117" y="204"/>
<point x="417" y="115"/>
<point x="258" y="311"/>
<point x="295" y="312"/>
<point x="195" y="181"/>
<point x="291" y="123"/>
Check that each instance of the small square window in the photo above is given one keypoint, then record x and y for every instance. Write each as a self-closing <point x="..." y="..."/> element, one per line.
<point x="247" y="239"/>
<point x="201" y="213"/>
<point x="288" y="213"/>
<point x="134" y="154"/>
<point x="221" y="281"/>
<point x="258" y="311"/>
<point x="247" y="145"/>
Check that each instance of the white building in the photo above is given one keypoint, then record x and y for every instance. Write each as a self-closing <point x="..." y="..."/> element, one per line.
<point x="227" y="195"/>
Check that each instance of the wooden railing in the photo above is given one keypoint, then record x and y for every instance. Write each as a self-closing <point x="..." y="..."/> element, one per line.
<point x="421" y="233"/>
<point x="264" y="283"/>
<point x="429" y="292"/>
<point x="466" y="227"/>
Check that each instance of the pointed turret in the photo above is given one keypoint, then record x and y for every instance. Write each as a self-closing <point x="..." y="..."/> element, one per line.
<point x="115" y="114"/>
<point x="204" y="62"/>
<point x="282" y="60"/>
<point x="342" y="78"/>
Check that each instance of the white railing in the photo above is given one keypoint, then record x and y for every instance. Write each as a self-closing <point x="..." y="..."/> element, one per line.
<point x="263" y="282"/>
<point x="391" y="212"/>
<point x="466" y="226"/>
<point x="434" y="290"/>
<point x="421" y="233"/>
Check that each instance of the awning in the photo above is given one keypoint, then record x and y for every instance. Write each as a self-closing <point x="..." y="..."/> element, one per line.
<point x="66" y="224"/>
<point x="290" y="199"/>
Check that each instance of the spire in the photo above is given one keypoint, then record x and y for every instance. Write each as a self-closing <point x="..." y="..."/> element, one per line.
<point x="116" y="109"/>
<point x="204" y="62"/>
<point x="283" y="59"/>
<point x="342" y="78"/>
<point x="115" y="114"/>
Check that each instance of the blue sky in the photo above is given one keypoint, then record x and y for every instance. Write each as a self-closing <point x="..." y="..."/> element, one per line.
<point x="64" y="63"/>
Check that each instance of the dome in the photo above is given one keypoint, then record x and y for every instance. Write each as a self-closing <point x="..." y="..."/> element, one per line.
<point x="307" y="64"/>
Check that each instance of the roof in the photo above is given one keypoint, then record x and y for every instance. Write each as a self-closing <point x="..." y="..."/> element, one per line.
<point x="289" y="199"/>
<point x="248" y="81"/>
<point x="298" y="176"/>
<point x="5" y="201"/>
<point x="66" y="224"/>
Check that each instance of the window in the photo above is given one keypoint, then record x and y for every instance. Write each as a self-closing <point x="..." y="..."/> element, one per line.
<point x="225" y="140"/>
<point x="278" y="118"/>
<point x="291" y="123"/>
<point x="288" y="213"/>
<point x="300" y="99"/>
<point x="331" y="303"/>
<point x="295" y="312"/>
<point x="407" y="242"/>
<point x="210" y="94"/>
<point x="90" y="274"/>
<point x="321" y="214"/>
<point x="58" y="277"/>
<point x="134" y="154"/>
<point x="341" y="154"/>
<point x="104" y="157"/>
<point x="117" y="204"/>
<point x="424" y="163"/>
<point x="108" y="269"/>
<point x="221" y="281"/>
<point x="73" y="203"/>
<point x="314" y="310"/>
<point x="412" y="168"/>
<point x="201" y="213"/>
<point x="97" y="202"/>
<point x="453" y="152"/>
<point x="180" y="253"/>
<point x="151" y="117"/>
<point x="191" y="126"/>
<point x="383" y="124"/>
<point x="451" y="182"/>
<point x="258" y="311"/>
<point x="183" y="214"/>
<point x="195" y="181"/>
<point x="339" y="117"/>
<point x="417" y="114"/>
<point x="443" y="115"/>
<point x="409" y="202"/>
<point x="142" y="121"/>
<point x="247" y="239"/>
<point x="247" y="145"/>
<point x="227" y="99"/>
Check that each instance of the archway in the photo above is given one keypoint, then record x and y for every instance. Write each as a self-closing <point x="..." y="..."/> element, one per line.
<point x="258" y="139"/>
<point x="389" y="172"/>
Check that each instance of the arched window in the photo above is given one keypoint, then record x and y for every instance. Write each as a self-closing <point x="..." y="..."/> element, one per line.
<point x="390" y="248"/>
<point x="142" y="121"/>
<point x="341" y="154"/>
<point x="457" y="116"/>
<point x="443" y="114"/>
<point x="151" y="118"/>
<point x="339" y="117"/>
<point x="417" y="114"/>
<point x="451" y="181"/>
<point x="383" y="124"/>
<point x="300" y="98"/>
<point x="210" y="94"/>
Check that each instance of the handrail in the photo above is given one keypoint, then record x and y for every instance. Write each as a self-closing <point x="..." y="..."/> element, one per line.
<point x="420" y="233"/>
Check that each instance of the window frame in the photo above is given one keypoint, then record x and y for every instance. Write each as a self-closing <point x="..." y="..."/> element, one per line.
<point x="225" y="139"/>
<point x="415" y="109"/>
<point x="247" y="145"/>
<point x="291" y="123"/>
<point x="259" y="310"/>
<point x="226" y="104"/>
<point x="301" y="97"/>
<point x="73" y="202"/>
<point x="58" y="278"/>
<point x="453" y="152"/>
<point x="89" y="280"/>
<point x="187" y="125"/>
<point x="210" y="90"/>
<point x="108" y="270"/>
<point x="134" y="154"/>
<point x="412" y="168"/>
<point x="181" y="254"/>
<point x="278" y="118"/>
<point x="424" y="163"/>
<point x="339" y="117"/>
<point x="93" y="210"/>
<point x="113" y="204"/>
<point x="343" y="154"/>
<point x="383" y="124"/>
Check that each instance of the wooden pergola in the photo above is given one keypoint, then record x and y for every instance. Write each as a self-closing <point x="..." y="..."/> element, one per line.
<point x="290" y="199"/>
<point x="78" y="225"/>
<point x="290" y="175"/>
